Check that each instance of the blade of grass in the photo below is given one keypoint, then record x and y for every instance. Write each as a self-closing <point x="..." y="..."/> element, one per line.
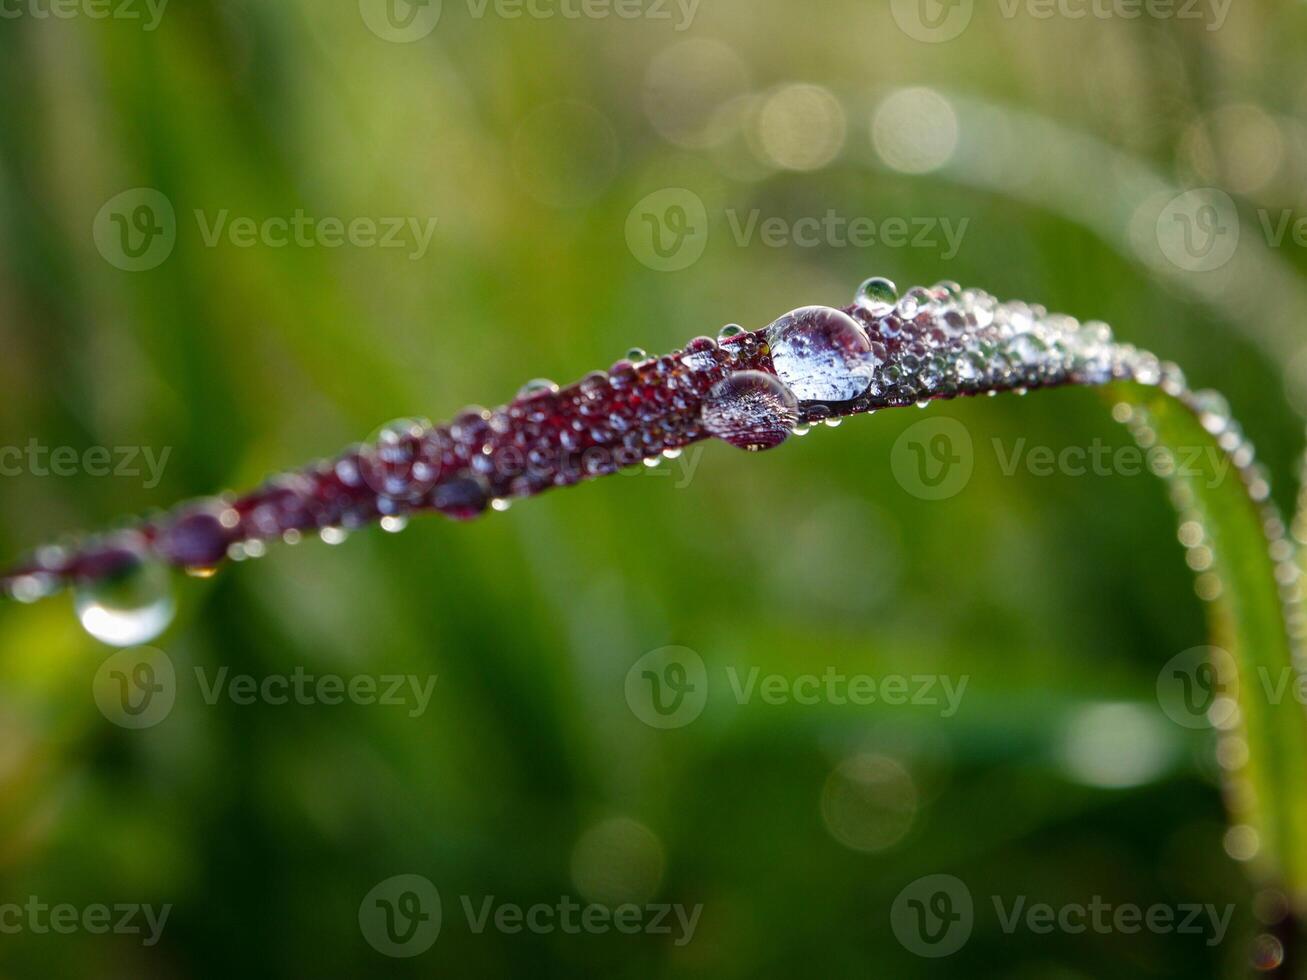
<point x="1249" y="579"/>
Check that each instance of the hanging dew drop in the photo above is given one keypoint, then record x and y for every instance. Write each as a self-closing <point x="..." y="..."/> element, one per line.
<point x="333" y="535"/>
<point x="394" y="523"/>
<point x="129" y="600"/>
<point x="751" y="410"/>
<point x="821" y="354"/>
<point x="877" y="296"/>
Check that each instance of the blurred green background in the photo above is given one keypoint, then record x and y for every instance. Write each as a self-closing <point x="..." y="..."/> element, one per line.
<point x="532" y="140"/>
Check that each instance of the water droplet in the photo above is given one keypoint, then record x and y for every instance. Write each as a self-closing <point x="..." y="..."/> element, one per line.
<point x="947" y="290"/>
<point x="128" y="598"/>
<point x="537" y="386"/>
<point x="394" y="523"/>
<point x="913" y="302"/>
<point x="821" y="354"/>
<point x="700" y="354"/>
<point x="637" y="354"/>
<point x="730" y="330"/>
<point x="750" y="410"/>
<point x="970" y="367"/>
<point x="198" y="537"/>
<point x="333" y="535"/>
<point x="30" y="588"/>
<point x="877" y="296"/>
<point x="462" y="498"/>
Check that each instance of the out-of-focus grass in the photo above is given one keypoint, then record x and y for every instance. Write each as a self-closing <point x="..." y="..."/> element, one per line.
<point x="266" y="825"/>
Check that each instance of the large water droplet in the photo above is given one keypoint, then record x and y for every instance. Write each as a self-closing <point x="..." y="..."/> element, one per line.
<point x="821" y="354"/>
<point x="877" y="296"/>
<point x="129" y="598"/>
<point x="750" y="410"/>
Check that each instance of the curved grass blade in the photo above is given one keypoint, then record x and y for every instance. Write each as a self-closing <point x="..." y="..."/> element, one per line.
<point x="1247" y="574"/>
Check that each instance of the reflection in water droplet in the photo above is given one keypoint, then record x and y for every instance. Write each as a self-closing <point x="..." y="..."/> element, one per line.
<point x="750" y="410"/>
<point x="730" y="330"/>
<point x="129" y="601"/>
<point x="821" y="354"/>
<point x="877" y="296"/>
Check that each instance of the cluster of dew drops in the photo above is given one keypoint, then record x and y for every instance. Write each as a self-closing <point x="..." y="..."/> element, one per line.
<point x="888" y="350"/>
<point x="884" y="350"/>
